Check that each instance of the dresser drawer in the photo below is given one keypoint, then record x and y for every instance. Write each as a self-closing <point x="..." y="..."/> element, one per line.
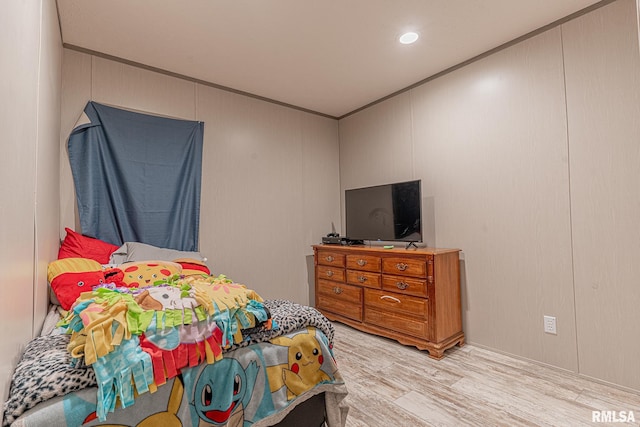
<point x="340" y="299"/>
<point x="340" y="291"/>
<point x="328" y="257"/>
<point x="363" y="262"/>
<point x="405" y="285"/>
<point x="364" y="278"/>
<point x="391" y="302"/>
<point x="405" y="267"/>
<point x="331" y="273"/>
<point x="405" y="325"/>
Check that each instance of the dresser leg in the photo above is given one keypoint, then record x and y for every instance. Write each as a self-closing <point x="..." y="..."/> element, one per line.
<point x="436" y="354"/>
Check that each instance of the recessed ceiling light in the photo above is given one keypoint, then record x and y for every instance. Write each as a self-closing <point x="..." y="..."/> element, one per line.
<point x="408" y="38"/>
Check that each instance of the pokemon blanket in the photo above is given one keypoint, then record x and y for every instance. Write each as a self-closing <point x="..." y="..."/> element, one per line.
<point x="255" y="382"/>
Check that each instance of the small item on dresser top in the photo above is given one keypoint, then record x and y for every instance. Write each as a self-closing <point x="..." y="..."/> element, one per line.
<point x="332" y="238"/>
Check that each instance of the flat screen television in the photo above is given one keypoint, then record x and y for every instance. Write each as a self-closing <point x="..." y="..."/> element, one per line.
<point x="390" y="212"/>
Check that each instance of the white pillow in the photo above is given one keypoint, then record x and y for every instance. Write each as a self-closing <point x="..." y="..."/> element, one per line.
<point x="134" y="251"/>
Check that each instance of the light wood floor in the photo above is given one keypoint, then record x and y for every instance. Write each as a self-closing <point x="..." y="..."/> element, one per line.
<point x="391" y="385"/>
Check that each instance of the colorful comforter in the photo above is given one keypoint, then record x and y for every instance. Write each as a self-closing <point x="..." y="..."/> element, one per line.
<point x="251" y="386"/>
<point x="187" y="336"/>
<point x="138" y="338"/>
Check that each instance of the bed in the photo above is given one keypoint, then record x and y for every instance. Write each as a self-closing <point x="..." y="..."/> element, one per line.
<point x="145" y="341"/>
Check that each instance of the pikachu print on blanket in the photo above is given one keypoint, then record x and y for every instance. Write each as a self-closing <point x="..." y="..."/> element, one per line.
<point x="303" y="369"/>
<point x="147" y="273"/>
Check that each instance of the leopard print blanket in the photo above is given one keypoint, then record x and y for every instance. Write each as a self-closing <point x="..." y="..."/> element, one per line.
<point x="47" y="370"/>
<point x="289" y="317"/>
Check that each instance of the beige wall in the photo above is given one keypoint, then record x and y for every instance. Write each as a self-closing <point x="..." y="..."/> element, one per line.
<point x="602" y="63"/>
<point x="31" y="53"/>
<point x="270" y="184"/>
<point x="540" y="189"/>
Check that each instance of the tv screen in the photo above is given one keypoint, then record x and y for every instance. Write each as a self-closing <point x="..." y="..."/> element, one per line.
<point x="390" y="212"/>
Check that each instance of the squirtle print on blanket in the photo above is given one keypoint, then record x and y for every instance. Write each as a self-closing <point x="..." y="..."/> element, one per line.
<point x="255" y="384"/>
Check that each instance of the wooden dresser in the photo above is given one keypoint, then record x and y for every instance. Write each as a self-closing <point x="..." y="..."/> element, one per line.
<point x="409" y="295"/>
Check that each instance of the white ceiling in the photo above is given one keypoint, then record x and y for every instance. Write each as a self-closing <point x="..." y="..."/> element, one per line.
<point x="326" y="56"/>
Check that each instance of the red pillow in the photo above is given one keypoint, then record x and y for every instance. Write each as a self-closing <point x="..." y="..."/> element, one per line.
<point x="72" y="276"/>
<point x="192" y="266"/>
<point x="75" y="245"/>
<point x="69" y="286"/>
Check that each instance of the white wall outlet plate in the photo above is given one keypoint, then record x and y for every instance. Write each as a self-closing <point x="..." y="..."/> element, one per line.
<point x="550" y="325"/>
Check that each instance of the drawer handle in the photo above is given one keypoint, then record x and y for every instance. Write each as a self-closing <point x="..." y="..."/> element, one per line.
<point x="362" y="262"/>
<point x="362" y="279"/>
<point x="337" y="290"/>
<point x="401" y="266"/>
<point x="390" y="298"/>
<point x="329" y="258"/>
<point x="329" y="273"/>
<point x="402" y="285"/>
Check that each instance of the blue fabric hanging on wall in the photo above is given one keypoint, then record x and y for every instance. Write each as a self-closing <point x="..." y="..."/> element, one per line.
<point x="137" y="177"/>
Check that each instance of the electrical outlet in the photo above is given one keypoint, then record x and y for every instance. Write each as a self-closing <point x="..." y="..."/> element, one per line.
<point x="550" y="325"/>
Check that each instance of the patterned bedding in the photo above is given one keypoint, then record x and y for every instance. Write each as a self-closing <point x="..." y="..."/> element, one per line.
<point x="263" y="369"/>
